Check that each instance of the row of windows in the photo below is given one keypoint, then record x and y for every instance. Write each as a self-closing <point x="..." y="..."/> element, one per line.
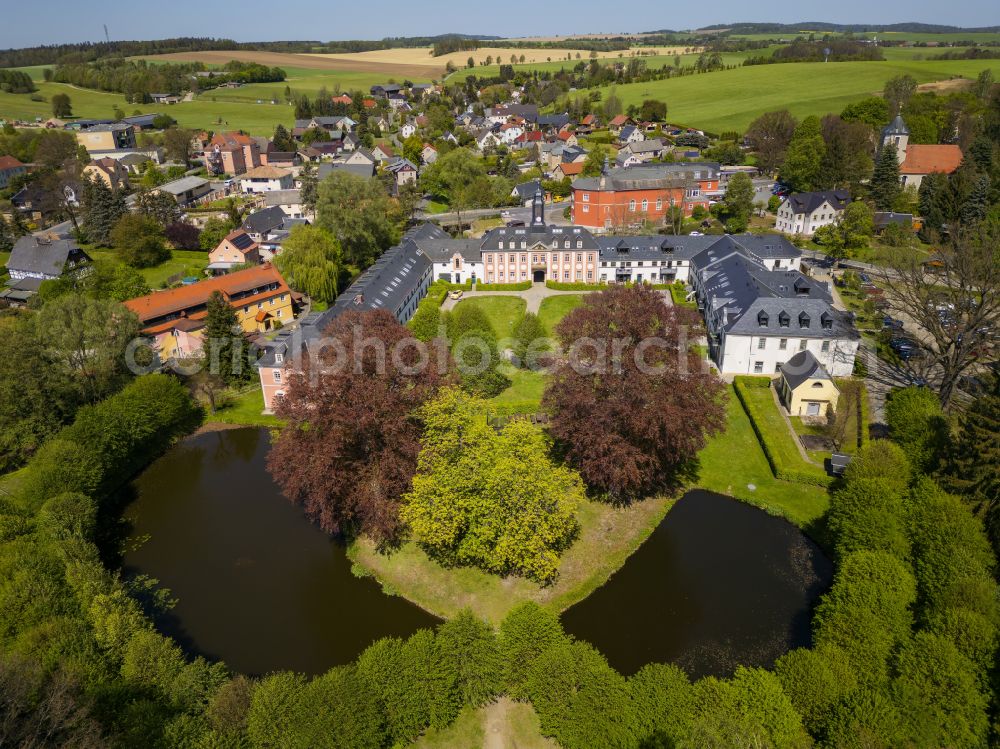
<point x="512" y="245"/>
<point x="260" y="305"/>
<point x="783" y="344"/>
<point x="567" y="257"/>
<point x="638" y="263"/>
<point x="513" y="276"/>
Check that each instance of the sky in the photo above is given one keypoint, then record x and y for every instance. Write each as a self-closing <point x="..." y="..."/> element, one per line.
<point x="28" y="24"/>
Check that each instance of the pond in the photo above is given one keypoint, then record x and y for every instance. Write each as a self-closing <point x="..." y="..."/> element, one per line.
<point x="257" y="585"/>
<point x="718" y="584"/>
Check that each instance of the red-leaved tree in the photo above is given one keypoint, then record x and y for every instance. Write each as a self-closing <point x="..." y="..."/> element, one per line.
<point x="349" y="450"/>
<point x="629" y="401"/>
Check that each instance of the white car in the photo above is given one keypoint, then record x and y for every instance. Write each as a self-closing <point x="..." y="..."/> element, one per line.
<point x="695" y="234"/>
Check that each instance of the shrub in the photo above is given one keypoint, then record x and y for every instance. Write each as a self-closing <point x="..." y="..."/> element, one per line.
<point x="521" y="286"/>
<point x="525" y="633"/>
<point x="68" y="515"/>
<point x="574" y="286"/>
<point x="867" y="514"/>
<point x="917" y="424"/>
<point x="816" y="681"/>
<point x="664" y="704"/>
<point x="881" y="459"/>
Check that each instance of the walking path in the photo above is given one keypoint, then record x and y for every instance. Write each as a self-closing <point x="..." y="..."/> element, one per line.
<point x="532" y="296"/>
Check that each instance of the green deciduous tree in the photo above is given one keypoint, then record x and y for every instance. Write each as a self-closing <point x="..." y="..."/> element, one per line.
<point x="214" y="231"/>
<point x="527" y="331"/>
<point x="486" y="498"/>
<point x="469" y="646"/>
<point x="311" y="262"/>
<point x="804" y="157"/>
<point x="897" y="92"/>
<point x="738" y="203"/>
<point x="139" y="241"/>
<point x="769" y="136"/>
<point x="917" y="424"/>
<point x="61" y="105"/>
<point x="359" y="214"/>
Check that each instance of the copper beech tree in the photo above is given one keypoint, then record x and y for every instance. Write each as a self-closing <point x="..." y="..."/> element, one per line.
<point x="349" y="450"/>
<point x="629" y="400"/>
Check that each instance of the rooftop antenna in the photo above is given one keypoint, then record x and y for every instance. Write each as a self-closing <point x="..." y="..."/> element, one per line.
<point x="107" y="37"/>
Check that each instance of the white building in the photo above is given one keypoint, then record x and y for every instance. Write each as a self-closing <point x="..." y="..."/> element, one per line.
<point x="805" y="212"/>
<point x="758" y="314"/>
<point x="266" y="179"/>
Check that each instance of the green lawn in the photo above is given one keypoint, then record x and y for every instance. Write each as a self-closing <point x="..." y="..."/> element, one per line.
<point x="731" y="99"/>
<point x="555" y="308"/>
<point x="734" y="460"/>
<point x="503" y="312"/>
<point x="245" y="408"/>
<point x="4" y="257"/>
<point x="514" y="724"/>
<point x="184" y="262"/>
<point x="525" y="385"/>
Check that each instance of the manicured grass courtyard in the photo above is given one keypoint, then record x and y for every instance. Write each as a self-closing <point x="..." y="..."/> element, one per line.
<point x="525" y="386"/>
<point x="503" y="312"/>
<point x="245" y="408"/>
<point x="555" y="308"/>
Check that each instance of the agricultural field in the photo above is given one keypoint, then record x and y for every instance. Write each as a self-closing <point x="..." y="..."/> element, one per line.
<point x="203" y="113"/>
<point x="892" y="36"/>
<point x="731" y="99"/>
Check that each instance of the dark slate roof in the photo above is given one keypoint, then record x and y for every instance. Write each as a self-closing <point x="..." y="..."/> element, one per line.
<point x="650" y="176"/>
<point x="884" y="218"/>
<point x="385" y="285"/>
<point x="361" y="170"/>
<point x="547" y="234"/>
<point x="807" y="202"/>
<point x="264" y="220"/>
<point x="896" y="127"/>
<point x="32" y="254"/>
<point x="652" y="247"/>
<point x="527" y="190"/>
<point x="527" y="111"/>
<point x="557" y="121"/>
<point x="802" y="367"/>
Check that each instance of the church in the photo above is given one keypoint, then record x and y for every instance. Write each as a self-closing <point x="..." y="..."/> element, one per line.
<point x="917" y="160"/>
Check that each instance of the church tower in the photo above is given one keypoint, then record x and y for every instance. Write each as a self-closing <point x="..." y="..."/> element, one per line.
<point x="896" y="132"/>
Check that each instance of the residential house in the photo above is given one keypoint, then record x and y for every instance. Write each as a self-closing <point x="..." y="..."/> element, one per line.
<point x="107" y="137"/>
<point x="525" y="191"/>
<point x="35" y="259"/>
<point x="236" y="248"/>
<point x="407" y="129"/>
<point x="361" y="167"/>
<point x="631" y="134"/>
<point x="510" y="132"/>
<point x="571" y="169"/>
<point x="384" y="90"/>
<point x="567" y="138"/>
<point x="266" y="179"/>
<point x="342" y="99"/>
<point x="428" y="154"/>
<point x="39" y="203"/>
<point x="281" y="159"/>
<point x="290" y="202"/>
<point x="109" y="171"/>
<point x="166" y="98"/>
<point x="186" y="190"/>
<point x="805" y="387"/>
<point x="9" y="169"/>
<point x="259" y="296"/>
<point x="263" y="222"/>
<point x="232" y="153"/>
<point x="641" y="194"/>
<point x="403" y="171"/>
<point x="805" y="212"/>
<point x="647" y="150"/>
<point x="618" y="122"/>
<point x="918" y="160"/>
<point x="383" y="153"/>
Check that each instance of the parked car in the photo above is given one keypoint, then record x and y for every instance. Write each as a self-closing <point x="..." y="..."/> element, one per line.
<point x="864" y="278"/>
<point x="891" y="323"/>
<point x="695" y="234"/>
<point x="456" y="294"/>
<point x="515" y="222"/>
<point x="904" y="348"/>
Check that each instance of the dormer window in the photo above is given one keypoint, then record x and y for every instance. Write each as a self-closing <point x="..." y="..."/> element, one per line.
<point x="803" y="320"/>
<point x="762" y="319"/>
<point x="826" y="321"/>
<point x="279" y="358"/>
<point x="784" y="319"/>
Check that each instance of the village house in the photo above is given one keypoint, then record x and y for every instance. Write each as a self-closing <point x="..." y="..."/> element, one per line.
<point x="266" y="179"/>
<point x="36" y="258"/>
<point x="231" y="153"/>
<point x="631" y="134"/>
<point x="383" y="153"/>
<point x="805" y="212"/>
<point x="428" y="154"/>
<point x="263" y="222"/>
<point x="259" y="296"/>
<point x="109" y="171"/>
<point x="289" y="201"/>
<point x="642" y="194"/>
<point x="618" y="122"/>
<point x="9" y="169"/>
<point x="403" y="172"/>
<point x="236" y="248"/>
<point x="111" y="137"/>
<point x="646" y="150"/>
<point x="916" y="161"/>
<point x="186" y="190"/>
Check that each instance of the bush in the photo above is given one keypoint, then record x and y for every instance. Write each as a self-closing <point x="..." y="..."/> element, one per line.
<point x="522" y="286"/>
<point x="868" y="515"/>
<point x="69" y="515"/>
<point x="574" y="286"/>
<point x="917" y="424"/>
<point x="525" y="633"/>
<point x="881" y="459"/>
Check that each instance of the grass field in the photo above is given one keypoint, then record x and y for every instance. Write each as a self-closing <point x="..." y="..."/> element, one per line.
<point x="731" y="99"/>
<point x="892" y="36"/>
<point x="525" y="385"/>
<point x="737" y="453"/>
<point x="186" y="262"/>
<point x="555" y="308"/>
<point x="503" y="312"/>
<point x="245" y="409"/>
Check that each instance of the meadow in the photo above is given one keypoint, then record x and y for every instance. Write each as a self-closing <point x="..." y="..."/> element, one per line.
<point x="892" y="36"/>
<point x="732" y="99"/>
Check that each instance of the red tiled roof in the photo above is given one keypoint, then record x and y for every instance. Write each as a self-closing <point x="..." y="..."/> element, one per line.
<point x="9" y="162"/>
<point x="565" y="135"/>
<point x="922" y="159"/>
<point x="177" y="300"/>
<point x="618" y="120"/>
<point x="571" y="169"/>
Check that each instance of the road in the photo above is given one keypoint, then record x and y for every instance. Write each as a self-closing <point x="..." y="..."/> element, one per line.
<point x="553" y="214"/>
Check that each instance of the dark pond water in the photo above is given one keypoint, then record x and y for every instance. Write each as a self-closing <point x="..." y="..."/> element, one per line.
<point x="718" y="584"/>
<point x="257" y="585"/>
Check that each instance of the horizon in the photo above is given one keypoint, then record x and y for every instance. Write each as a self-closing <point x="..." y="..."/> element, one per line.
<point x="70" y="23"/>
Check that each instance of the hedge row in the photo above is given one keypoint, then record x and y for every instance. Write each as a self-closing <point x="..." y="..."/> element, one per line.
<point x="863" y="415"/>
<point x="564" y="286"/>
<point x="522" y="286"/>
<point x="512" y="408"/>
<point x="781" y="471"/>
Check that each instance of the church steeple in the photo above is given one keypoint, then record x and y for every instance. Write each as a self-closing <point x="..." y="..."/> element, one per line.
<point x="897" y="133"/>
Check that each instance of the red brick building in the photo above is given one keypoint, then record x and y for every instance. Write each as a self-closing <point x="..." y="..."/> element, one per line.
<point x="633" y="196"/>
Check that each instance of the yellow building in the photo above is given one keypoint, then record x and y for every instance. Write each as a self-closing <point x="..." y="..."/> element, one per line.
<point x="114" y="137"/>
<point x="806" y="388"/>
